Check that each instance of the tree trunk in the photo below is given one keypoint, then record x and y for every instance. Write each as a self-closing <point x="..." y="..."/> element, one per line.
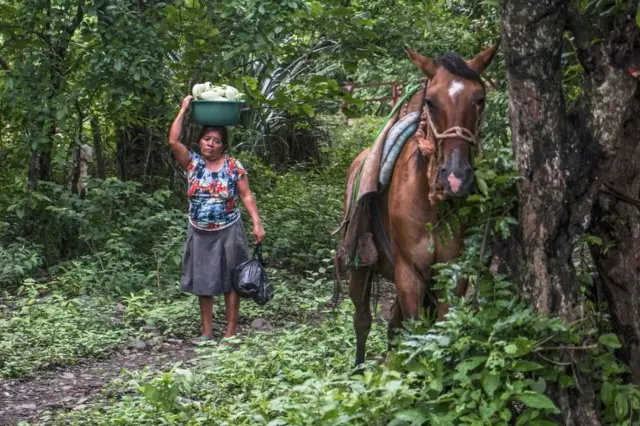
<point x="148" y="142"/>
<point x="97" y="145"/>
<point x="562" y="158"/>
<point x="33" y="170"/>
<point x="44" y="166"/>
<point x="121" y="153"/>
<point x="75" y="171"/>
<point x="616" y="221"/>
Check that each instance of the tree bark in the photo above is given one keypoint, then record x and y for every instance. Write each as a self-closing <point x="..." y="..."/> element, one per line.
<point x="563" y="156"/>
<point x="616" y="221"/>
<point x="97" y="145"/>
<point x="33" y="170"/>
<point x="148" y="143"/>
<point x="121" y="152"/>
<point x="77" y="150"/>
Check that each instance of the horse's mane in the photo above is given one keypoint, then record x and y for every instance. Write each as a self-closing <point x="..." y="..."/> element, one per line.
<point x="454" y="63"/>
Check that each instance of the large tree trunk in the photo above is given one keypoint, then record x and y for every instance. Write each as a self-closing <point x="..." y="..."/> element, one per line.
<point x="563" y="157"/>
<point x="616" y="221"/>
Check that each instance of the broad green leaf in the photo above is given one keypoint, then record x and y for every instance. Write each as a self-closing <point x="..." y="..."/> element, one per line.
<point x="621" y="406"/>
<point x="610" y="340"/>
<point x="394" y="385"/>
<point x="490" y="382"/>
<point x="511" y="349"/>
<point x="411" y="415"/>
<point x="470" y="364"/>
<point x="606" y="393"/>
<point x="482" y="186"/>
<point x="524" y="366"/>
<point x="308" y="109"/>
<point x="539" y="386"/>
<point x="537" y="400"/>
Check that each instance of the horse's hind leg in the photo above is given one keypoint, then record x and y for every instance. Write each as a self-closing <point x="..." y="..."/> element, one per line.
<point x="360" y="292"/>
<point x="395" y="322"/>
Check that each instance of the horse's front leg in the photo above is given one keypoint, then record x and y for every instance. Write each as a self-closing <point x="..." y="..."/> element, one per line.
<point x="410" y="290"/>
<point x="447" y="252"/>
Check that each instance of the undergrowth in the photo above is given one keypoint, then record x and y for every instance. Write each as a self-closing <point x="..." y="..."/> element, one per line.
<point x="493" y="362"/>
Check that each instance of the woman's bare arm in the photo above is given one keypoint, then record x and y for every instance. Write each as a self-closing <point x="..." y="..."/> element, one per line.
<point x="250" y="204"/>
<point x="178" y="148"/>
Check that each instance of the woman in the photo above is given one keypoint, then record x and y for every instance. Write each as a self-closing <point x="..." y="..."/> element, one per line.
<point x="216" y="241"/>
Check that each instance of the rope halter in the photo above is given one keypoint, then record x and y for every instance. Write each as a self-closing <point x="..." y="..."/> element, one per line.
<point x="430" y="146"/>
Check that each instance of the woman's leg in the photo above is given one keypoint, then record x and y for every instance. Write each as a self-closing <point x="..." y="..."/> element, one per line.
<point x="232" y="304"/>
<point x="206" y="314"/>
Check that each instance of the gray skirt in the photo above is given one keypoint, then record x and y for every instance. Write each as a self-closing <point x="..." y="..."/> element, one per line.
<point x="210" y="257"/>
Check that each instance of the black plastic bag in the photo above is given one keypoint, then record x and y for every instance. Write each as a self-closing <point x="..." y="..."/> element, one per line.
<point x="250" y="280"/>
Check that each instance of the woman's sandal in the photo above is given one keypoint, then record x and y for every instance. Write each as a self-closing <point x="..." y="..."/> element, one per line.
<point x="226" y="341"/>
<point x="200" y="340"/>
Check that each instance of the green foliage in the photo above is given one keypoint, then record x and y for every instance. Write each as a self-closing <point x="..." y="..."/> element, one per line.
<point x="54" y="330"/>
<point x="300" y="208"/>
<point x="113" y="71"/>
<point x="479" y="362"/>
<point x="19" y="261"/>
<point x="145" y="250"/>
<point x="431" y="28"/>
<point x="492" y="365"/>
<point x="492" y="362"/>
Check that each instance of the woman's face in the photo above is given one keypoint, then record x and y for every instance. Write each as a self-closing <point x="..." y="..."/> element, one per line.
<point x="211" y="145"/>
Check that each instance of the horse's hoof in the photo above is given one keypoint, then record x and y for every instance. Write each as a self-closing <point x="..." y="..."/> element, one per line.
<point x="358" y="369"/>
<point x="379" y="360"/>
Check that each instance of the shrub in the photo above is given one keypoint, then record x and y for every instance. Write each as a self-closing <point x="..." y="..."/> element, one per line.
<point x="18" y="261"/>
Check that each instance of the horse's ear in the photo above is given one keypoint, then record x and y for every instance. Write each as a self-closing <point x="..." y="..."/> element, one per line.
<point x="427" y="65"/>
<point x="483" y="59"/>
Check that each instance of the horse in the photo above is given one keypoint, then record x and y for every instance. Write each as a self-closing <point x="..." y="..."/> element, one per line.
<point x="433" y="166"/>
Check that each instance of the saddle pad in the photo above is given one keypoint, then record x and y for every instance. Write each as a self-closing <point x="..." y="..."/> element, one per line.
<point x="396" y="138"/>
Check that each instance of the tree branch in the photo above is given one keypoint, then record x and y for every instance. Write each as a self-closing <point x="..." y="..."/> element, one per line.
<point x="39" y="35"/>
<point x="77" y="19"/>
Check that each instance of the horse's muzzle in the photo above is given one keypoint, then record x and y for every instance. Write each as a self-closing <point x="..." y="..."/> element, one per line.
<point x="456" y="176"/>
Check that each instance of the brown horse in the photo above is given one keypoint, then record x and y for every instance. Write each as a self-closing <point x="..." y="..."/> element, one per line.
<point x="433" y="165"/>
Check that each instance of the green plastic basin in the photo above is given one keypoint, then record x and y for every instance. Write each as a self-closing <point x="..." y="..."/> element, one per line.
<point x="216" y="113"/>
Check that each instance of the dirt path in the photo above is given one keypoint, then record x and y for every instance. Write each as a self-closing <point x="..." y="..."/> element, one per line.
<point x="74" y="388"/>
<point x="67" y="388"/>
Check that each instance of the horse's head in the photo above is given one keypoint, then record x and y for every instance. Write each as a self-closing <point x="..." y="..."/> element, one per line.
<point x="454" y="104"/>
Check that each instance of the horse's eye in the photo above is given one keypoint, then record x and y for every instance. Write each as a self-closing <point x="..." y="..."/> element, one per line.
<point x="431" y="104"/>
<point x="480" y="102"/>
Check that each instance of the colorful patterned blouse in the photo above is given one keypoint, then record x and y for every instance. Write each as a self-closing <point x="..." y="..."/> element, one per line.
<point x="213" y="195"/>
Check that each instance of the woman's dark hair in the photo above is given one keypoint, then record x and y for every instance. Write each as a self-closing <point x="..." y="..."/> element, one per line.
<point x="224" y="134"/>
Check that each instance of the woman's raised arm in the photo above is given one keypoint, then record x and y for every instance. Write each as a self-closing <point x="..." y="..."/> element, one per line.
<point x="178" y="148"/>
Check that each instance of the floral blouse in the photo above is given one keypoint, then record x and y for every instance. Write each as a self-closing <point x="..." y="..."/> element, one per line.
<point x="213" y="196"/>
